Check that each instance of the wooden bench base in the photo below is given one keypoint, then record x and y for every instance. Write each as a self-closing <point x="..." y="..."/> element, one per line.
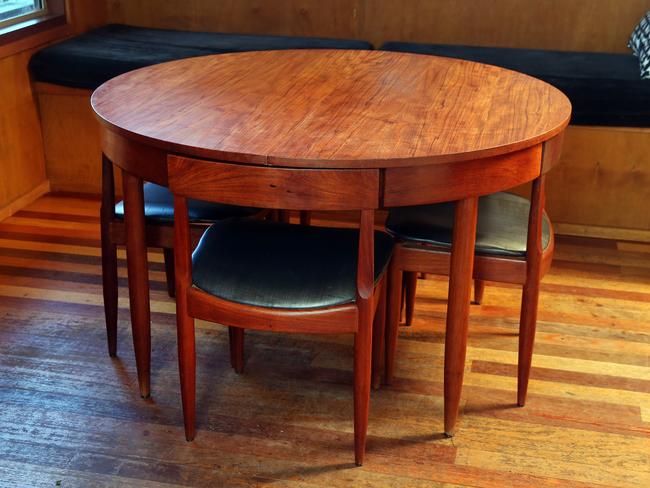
<point x="73" y="158"/>
<point x="602" y="186"/>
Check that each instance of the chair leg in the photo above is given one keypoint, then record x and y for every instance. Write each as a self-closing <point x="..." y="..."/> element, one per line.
<point x="109" y="255"/>
<point x="362" y="372"/>
<point x="392" y="320"/>
<point x="479" y="289"/>
<point x="168" y="254"/>
<point x="410" y="284"/>
<point x="378" y="339"/>
<point x="236" y="336"/>
<point x="187" y="370"/>
<point x="109" y="285"/>
<point x="305" y="217"/>
<point x="402" y="302"/>
<point x="527" y="326"/>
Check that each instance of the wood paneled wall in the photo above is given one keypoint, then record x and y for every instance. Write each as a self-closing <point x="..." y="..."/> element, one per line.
<point x="601" y="187"/>
<point x="87" y="14"/>
<point x="324" y="18"/>
<point x="602" y="183"/>
<point x="66" y="117"/>
<point x="22" y="162"/>
<point x="572" y="25"/>
<point x="22" y="157"/>
<point x="566" y="25"/>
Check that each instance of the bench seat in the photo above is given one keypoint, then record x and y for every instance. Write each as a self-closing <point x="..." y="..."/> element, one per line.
<point x="605" y="89"/>
<point x="88" y="60"/>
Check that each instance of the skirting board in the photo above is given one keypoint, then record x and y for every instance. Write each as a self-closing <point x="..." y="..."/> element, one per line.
<point x="615" y="233"/>
<point x="21" y="202"/>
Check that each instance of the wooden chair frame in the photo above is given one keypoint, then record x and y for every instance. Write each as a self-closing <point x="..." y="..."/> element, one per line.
<point x="113" y="234"/>
<point x="290" y="189"/>
<point x="410" y="258"/>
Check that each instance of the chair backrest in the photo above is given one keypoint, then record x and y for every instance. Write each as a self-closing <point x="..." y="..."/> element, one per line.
<point x="534" y="249"/>
<point x="271" y="187"/>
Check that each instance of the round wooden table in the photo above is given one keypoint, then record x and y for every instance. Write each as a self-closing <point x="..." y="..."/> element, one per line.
<point x="437" y="129"/>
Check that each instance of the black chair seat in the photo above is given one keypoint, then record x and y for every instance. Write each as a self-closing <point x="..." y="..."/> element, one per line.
<point x="604" y="88"/>
<point x="278" y="265"/>
<point x="159" y="208"/>
<point x="501" y="230"/>
<point x="88" y="60"/>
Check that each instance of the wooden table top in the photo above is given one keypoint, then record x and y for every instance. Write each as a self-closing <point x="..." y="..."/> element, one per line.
<point x="332" y="108"/>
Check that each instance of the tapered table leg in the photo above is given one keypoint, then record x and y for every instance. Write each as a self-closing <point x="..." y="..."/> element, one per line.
<point x="109" y="255"/>
<point x="460" y="288"/>
<point x="136" y="258"/>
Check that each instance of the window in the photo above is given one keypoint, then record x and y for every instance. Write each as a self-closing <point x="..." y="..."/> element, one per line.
<point x="12" y="11"/>
<point x="28" y="23"/>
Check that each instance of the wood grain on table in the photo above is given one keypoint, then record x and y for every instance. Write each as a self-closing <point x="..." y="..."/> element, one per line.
<point x="311" y="108"/>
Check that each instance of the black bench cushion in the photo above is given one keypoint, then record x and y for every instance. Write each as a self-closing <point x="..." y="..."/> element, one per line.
<point x="604" y="88"/>
<point x="276" y="265"/>
<point x="88" y="60"/>
<point x="501" y="230"/>
<point x="159" y="208"/>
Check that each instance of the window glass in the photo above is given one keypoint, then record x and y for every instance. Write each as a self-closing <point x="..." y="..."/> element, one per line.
<point x="16" y="10"/>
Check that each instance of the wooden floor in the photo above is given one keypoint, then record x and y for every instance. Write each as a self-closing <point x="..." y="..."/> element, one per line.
<point x="71" y="416"/>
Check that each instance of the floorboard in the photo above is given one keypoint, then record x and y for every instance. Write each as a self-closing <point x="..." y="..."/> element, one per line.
<point x="71" y="416"/>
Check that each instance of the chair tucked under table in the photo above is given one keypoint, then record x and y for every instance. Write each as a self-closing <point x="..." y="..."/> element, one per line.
<point x="159" y="217"/>
<point x="275" y="276"/>
<point x="514" y="244"/>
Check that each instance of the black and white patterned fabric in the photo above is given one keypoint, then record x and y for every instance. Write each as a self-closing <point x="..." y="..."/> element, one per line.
<point x="640" y="45"/>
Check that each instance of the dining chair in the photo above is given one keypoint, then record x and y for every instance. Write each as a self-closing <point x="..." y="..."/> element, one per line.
<point x="159" y="215"/>
<point x="514" y="244"/>
<point x="276" y="276"/>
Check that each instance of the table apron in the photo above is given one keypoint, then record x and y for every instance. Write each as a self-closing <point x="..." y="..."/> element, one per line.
<point x="136" y="158"/>
<point x="399" y="186"/>
<point x="420" y="185"/>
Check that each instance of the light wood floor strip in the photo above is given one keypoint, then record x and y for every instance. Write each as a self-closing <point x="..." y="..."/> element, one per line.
<point x="153" y="257"/>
